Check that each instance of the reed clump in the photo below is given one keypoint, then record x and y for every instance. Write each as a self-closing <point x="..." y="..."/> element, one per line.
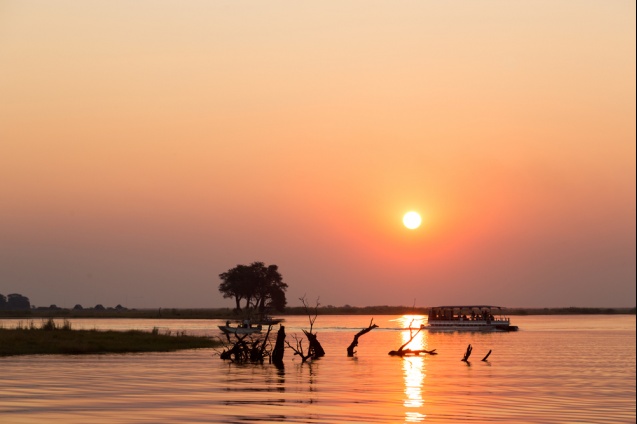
<point x="59" y="338"/>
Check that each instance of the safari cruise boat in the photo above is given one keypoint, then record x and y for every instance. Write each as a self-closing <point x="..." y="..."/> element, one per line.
<point x="468" y="318"/>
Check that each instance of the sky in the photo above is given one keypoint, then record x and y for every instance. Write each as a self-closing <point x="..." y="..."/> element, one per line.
<point x="148" y="146"/>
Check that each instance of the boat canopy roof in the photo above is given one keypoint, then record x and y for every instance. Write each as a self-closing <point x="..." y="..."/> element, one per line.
<point x="466" y="307"/>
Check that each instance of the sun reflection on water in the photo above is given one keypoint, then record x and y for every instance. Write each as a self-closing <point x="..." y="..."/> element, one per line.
<point x="414" y="367"/>
<point x="414" y="378"/>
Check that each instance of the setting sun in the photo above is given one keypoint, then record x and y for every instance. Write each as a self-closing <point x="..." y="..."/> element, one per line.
<point x="412" y="220"/>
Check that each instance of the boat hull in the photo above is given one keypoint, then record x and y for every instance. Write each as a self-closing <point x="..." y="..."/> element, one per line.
<point x="269" y="321"/>
<point x="469" y="326"/>
<point x="239" y="330"/>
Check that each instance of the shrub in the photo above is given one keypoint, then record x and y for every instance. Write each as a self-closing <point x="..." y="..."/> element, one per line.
<point x="48" y="325"/>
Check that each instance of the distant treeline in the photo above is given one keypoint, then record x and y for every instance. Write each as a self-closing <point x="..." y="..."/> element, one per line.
<point x="403" y="310"/>
<point x="571" y="311"/>
<point x="227" y="313"/>
<point x="17" y="304"/>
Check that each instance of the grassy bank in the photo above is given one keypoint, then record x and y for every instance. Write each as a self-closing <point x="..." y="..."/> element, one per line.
<point x="51" y="338"/>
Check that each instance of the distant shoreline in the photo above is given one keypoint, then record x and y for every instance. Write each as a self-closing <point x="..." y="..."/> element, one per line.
<point x="228" y="313"/>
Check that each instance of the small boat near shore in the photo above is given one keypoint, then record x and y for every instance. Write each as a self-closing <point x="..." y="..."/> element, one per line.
<point x="468" y="318"/>
<point x="267" y="320"/>
<point x="245" y="327"/>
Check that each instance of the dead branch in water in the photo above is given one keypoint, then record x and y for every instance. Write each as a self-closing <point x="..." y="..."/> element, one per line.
<point x="350" y="349"/>
<point x="467" y="354"/>
<point x="315" y="350"/>
<point x="298" y="350"/>
<point x="259" y="353"/>
<point x="238" y="352"/>
<point x="244" y="349"/>
<point x="485" y="358"/>
<point x="311" y="318"/>
<point x="409" y="352"/>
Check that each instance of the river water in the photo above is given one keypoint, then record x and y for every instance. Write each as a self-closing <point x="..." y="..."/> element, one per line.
<point x="556" y="369"/>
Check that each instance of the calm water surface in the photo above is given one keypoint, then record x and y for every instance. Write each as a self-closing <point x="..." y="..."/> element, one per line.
<point x="556" y="369"/>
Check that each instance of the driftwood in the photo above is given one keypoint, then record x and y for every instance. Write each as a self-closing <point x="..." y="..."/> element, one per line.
<point x="409" y="352"/>
<point x="279" y="348"/>
<point x="467" y="354"/>
<point x="350" y="349"/>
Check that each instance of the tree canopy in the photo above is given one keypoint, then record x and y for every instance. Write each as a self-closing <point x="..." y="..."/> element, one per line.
<point x="15" y="301"/>
<point x="260" y="286"/>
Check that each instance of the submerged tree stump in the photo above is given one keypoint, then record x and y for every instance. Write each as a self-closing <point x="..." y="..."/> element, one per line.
<point x="315" y="350"/>
<point x="279" y="348"/>
<point x="350" y="349"/>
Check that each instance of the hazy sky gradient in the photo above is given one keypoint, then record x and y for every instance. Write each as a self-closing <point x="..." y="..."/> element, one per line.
<point x="148" y="146"/>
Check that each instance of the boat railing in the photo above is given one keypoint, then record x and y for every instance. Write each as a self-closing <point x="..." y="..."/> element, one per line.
<point x="492" y="318"/>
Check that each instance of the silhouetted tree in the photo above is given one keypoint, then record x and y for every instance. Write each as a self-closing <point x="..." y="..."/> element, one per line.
<point x="235" y="283"/>
<point x="3" y="301"/>
<point x="278" y="301"/>
<point x="269" y="285"/>
<point x="259" y="285"/>
<point x="16" y="301"/>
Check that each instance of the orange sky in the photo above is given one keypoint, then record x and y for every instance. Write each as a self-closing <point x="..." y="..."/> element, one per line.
<point x="148" y="146"/>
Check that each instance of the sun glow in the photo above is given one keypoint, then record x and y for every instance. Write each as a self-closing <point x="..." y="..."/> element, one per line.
<point x="412" y="220"/>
